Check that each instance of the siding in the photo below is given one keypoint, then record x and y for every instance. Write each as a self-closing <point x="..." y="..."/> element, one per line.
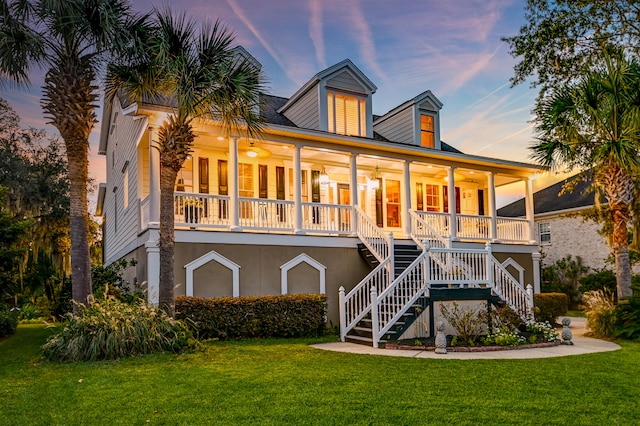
<point x="345" y="81"/>
<point x="398" y="128"/>
<point x="122" y="141"/>
<point x="304" y="113"/>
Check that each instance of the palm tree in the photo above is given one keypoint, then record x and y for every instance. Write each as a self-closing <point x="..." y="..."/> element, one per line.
<point x="595" y="123"/>
<point x="69" y="39"/>
<point x="196" y="71"/>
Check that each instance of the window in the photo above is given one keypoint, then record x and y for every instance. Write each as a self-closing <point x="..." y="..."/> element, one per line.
<point x="544" y="233"/>
<point x="432" y="198"/>
<point x="263" y="177"/>
<point x="346" y="114"/>
<point x="392" y="188"/>
<point x="427" y="134"/>
<point x="245" y="180"/>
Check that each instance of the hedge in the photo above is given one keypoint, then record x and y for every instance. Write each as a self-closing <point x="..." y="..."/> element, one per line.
<point x="294" y="315"/>
<point x="549" y="306"/>
<point x="8" y="322"/>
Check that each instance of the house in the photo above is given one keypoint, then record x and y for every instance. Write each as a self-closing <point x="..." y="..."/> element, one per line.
<point x="332" y="199"/>
<point x="561" y="230"/>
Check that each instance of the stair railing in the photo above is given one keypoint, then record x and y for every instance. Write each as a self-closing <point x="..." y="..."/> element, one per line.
<point x="421" y="232"/>
<point x="374" y="238"/>
<point x="389" y="305"/>
<point x="356" y="304"/>
<point x="508" y="289"/>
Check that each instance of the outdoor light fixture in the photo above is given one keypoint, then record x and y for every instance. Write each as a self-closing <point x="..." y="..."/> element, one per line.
<point x="252" y="152"/>
<point x="374" y="183"/>
<point x="324" y="177"/>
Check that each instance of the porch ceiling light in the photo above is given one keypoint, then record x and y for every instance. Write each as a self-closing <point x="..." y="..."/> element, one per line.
<point x="324" y="177"/>
<point x="257" y="152"/>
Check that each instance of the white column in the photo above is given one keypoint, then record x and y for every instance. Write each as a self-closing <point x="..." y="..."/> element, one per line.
<point x="451" y="189"/>
<point x="154" y="180"/>
<point x="529" y="208"/>
<point x="152" y="248"/>
<point x="491" y="186"/>
<point x="297" y="191"/>
<point x="353" y="189"/>
<point x="233" y="184"/>
<point x="406" y="177"/>
<point x="536" y="271"/>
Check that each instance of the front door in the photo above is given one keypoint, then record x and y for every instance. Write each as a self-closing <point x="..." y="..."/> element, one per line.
<point x="344" y="199"/>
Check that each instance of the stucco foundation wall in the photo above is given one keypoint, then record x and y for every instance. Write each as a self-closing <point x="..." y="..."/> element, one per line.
<point x="260" y="272"/>
<point x="572" y="235"/>
<point x="523" y="259"/>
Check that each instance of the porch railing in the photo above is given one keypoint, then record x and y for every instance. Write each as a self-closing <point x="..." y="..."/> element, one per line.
<point x="327" y="218"/>
<point x="513" y="229"/>
<point x="474" y="227"/>
<point x="375" y="239"/>
<point x="265" y="214"/>
<point x="202" y="210"/>
<point x="423" y="232"/>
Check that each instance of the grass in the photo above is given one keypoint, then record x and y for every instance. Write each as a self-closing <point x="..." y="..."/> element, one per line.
<point x="573" y="313"/>
<point x="287" y="382"/>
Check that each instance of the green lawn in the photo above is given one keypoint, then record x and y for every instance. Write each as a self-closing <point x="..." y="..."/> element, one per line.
<point x="287" y="382"/>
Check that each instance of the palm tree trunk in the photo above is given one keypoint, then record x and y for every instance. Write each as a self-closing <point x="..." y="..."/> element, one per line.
<point x="620" y="215"/>
<point x="69" y="101"/>
<point x="167" y="220"/>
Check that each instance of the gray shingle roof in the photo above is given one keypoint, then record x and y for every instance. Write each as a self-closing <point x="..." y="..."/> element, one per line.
<point x="547" y="200"/>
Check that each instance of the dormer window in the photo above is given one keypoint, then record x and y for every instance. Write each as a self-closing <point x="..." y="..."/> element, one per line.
<point x="427" y="131"/>
<point x="346" y="114"/>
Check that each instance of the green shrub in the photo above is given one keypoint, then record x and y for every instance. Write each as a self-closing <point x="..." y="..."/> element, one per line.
<point x="295" y="315"/>
<point x="8" y="322"/>
<point x="628" y="315"/>
<point x="111" y="329"/>
<point x="563" y="277"/>
<point x="601" y="312"/>
<point x="549" y="306"/>
<point x="602" y="279"/>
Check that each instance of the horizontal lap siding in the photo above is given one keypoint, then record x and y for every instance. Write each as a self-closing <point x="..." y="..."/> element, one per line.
<point x="346" y="81"/>
<point x="124" y="140"/>
<point x="304" y="113"/>
<point x="398" y="128"/>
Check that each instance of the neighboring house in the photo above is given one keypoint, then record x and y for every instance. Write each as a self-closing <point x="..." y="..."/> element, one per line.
<point x="561" y="230"/>
<point x="329" y="193"/>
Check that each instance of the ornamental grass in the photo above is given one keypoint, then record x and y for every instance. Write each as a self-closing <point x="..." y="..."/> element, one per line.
<point x="111" y="329"/>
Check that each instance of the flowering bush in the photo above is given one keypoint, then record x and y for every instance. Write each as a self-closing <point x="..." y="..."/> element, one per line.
<point x="504" y="337"/>
<point x="544" y="329"/>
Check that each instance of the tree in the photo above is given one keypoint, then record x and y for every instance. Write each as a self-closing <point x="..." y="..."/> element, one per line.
<point x="595" y="122"/>
<point x="70" y="39"/>
<point x="195" y="69"/>
<point x="564" y="37"/>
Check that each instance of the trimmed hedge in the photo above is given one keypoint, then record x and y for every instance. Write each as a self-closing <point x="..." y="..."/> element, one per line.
<point x="549" y="306"/>
<point x="290" y="315"/>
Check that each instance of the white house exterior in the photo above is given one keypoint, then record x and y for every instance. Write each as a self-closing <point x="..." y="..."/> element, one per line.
<point x="287" y="212"/>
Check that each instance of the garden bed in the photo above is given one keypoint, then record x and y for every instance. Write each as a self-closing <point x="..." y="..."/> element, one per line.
<point x="429" y="345"/>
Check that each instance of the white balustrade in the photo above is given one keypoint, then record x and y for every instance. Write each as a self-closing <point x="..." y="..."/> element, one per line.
<point x="327" y="218"/>
<point x="201" y="210"/>
<point x="374" y="238"/>
<point x="474" y="227"/>
<point x="422" y="232"/>
<point x="265" y="214"/>
<point x="512" y="229"/>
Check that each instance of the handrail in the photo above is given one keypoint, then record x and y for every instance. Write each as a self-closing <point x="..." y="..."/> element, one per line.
<point x="374" y="238"/>
<point x="421" y="231"/>
<point x="357" y="303"/>
<point x="399" y="296"/>
<point x="511" y="291"/>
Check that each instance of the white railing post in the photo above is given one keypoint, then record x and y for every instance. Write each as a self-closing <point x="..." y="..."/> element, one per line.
<point x="233" y="185"/>
<point x="489" y="264"/>
<point x="530" y="301"/>
<point x="391" y="256"/>
<point x="297" y="190"/>
<point x="491" y="185"/>
<point x="353" y="187"/>
<point x="374" y="316"/>
<point x="343" y="315"/>
<point x="529" y="208"/>
<point x="535" y="257"/>
<point x="451" y="205"/>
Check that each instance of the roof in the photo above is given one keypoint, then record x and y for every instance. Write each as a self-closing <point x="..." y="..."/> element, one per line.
<point x="548" y="200"/>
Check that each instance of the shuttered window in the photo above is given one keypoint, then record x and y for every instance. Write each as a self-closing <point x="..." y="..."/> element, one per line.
<point x="346" y="114"/>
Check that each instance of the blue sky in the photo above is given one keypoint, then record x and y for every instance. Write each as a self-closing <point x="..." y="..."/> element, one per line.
<point x="452" y="48"/>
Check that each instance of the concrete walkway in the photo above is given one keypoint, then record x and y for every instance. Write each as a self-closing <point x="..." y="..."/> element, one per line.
<point x="582" y="345"/>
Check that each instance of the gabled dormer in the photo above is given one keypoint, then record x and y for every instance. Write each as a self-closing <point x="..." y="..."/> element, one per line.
<point x="415" y="122"/>
<point x="336" y="100"/>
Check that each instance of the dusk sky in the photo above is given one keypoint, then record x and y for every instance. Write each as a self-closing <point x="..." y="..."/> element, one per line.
<point x="452" y="48"/>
